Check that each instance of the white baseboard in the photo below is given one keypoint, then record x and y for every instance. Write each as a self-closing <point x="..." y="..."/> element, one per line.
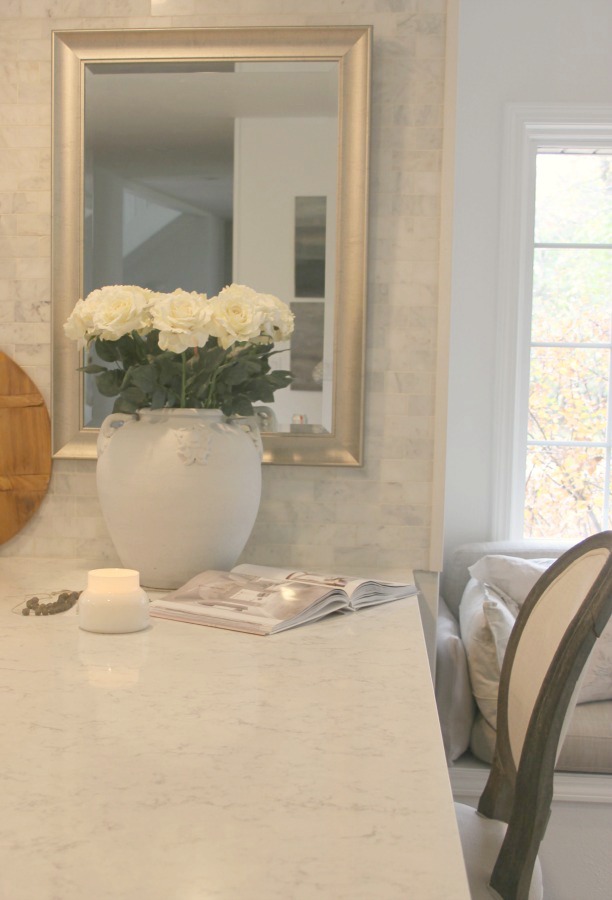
<point x="468" y="778"/>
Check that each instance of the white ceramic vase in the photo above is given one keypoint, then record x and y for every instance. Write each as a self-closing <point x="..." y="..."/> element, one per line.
<point x="179" y="490"/>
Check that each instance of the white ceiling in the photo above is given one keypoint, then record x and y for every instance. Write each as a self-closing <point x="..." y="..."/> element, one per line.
<point x="173" y="131"/>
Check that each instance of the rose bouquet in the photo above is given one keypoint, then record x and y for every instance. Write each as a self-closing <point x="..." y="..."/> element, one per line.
<point x="183" y="349"/>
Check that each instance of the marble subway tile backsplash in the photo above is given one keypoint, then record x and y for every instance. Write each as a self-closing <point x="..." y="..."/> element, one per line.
<point x="372" y="519"/>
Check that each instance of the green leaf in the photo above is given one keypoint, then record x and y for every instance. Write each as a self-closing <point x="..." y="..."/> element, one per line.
<point x="239" y="406"/>
<point x="125" y="405"/>
<point x="144" y="377"/>
<point x="133" y="394"/>
<point x="107" y="350"/>
<point x="151" y="343"/>
<point x="261" y="391"/>
<point x="199" y="391"/>
<point x="169" y="369"/>
<point x="236" y="373"/>
<point x="279" y="378"/>
<point x="109" y="382"/>
<point x="159" y="398"/>
<point x="207" y="361"/>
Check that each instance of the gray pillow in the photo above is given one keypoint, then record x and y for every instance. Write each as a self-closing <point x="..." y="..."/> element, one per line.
<point x="456" y="707"/>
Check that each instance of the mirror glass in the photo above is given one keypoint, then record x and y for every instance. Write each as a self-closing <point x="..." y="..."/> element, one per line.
<point x="207" y="168"/>
<point x="199" y="175"/>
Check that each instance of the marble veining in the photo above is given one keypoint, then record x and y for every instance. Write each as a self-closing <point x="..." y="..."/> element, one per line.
<point x="184" y="762"/>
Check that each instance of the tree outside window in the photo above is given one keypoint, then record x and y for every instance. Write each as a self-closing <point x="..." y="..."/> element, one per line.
<point x="568" y="465"/>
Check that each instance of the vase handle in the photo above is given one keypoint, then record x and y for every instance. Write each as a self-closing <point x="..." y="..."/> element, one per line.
<point x="265" y="418"/>
<point x="109" y="427"/>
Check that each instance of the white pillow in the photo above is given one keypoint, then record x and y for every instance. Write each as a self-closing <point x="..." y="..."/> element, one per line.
<point x="480" y="648"/>
<point x="597" y="680"/>
<point x="512" y="578"/>
<point x="501" y="622"/>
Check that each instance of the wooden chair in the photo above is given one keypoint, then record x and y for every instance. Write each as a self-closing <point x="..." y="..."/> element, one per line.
<point x="555" y="631"/>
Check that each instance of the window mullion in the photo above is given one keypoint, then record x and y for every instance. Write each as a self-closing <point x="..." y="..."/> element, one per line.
<point x="554" y="245"/>
<point x="572" y="345"/>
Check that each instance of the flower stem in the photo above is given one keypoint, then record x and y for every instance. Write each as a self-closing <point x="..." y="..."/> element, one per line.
<point x="183" y="378"/>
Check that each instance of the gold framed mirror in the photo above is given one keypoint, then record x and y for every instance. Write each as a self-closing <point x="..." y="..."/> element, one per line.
<point x="208" y="102"/>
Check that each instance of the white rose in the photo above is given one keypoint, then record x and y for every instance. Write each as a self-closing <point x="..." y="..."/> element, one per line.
<point x="119" y="309"/>
<point x="79" y="325"/>
<point x="239" y="315"/>
<point x="183" y="320"/>
<point x="279" y="320"/>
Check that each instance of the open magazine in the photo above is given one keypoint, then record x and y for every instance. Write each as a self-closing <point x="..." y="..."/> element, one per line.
<point x="265" y="600"/>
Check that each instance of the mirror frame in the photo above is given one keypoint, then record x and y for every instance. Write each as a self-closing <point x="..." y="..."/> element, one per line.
<point x="350" y="47"/>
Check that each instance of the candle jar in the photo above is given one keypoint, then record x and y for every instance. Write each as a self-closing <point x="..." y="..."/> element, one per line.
<point x="113" y="602"/>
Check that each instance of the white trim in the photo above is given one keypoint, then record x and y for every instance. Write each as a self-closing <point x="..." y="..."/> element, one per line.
<point x="517" y="218"/>
<point x="526" y="128"/>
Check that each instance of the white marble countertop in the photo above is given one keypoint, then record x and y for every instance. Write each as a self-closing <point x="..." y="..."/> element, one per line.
<point x="190" y="763"/>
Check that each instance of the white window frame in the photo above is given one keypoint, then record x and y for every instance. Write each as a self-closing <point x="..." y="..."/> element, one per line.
<point x="527" y="129"/>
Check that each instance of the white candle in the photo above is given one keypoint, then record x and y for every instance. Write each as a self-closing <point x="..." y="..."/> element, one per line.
<point x="113" y="602"/>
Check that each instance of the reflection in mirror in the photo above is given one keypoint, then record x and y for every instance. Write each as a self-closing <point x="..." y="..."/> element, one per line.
<point x="310" y="231"/>
<point x="197" y="172"/>
<point x="193" y="179"/>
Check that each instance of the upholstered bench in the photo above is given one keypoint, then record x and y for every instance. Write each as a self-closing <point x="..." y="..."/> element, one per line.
<point x="477" y="611"/>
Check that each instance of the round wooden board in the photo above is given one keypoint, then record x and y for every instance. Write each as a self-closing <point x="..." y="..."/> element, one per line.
<point x="25" y="448"/>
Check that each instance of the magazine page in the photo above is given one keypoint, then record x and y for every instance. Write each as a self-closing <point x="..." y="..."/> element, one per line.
<point x="245" y="602"/>
<point x="321" y="580"/>
<point x="360" y="591"/>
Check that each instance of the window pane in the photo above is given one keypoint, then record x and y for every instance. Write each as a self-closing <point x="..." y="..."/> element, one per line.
<point x="568" y="394"/>
<point x="564" y="492"/>
<point x="572" y="295"/>
<point x="573" y="198"/>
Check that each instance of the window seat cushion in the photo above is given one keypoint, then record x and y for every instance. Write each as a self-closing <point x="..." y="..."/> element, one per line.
<point x="587" y="746"/>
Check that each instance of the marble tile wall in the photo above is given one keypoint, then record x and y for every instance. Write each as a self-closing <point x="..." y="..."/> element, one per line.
<point x="372" y="519"/>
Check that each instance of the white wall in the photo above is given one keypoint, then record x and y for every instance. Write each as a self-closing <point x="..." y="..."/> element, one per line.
<point x="526" y="51"/>
<point x="298" y="157"/>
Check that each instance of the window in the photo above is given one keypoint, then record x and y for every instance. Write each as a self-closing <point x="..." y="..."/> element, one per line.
<point x="554" y="411"/>
<point x="568" y="441"/>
